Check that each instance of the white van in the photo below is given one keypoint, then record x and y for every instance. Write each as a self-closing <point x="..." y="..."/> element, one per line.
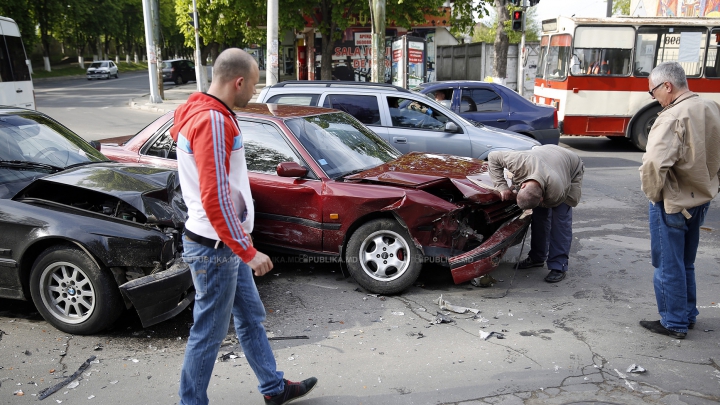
<point x="16" y="87"/>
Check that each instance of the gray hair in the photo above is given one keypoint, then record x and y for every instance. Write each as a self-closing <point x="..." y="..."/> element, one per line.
<point x="669" y="72"/>
<point x="530" y="196"/>
<point x="232" y="63"/>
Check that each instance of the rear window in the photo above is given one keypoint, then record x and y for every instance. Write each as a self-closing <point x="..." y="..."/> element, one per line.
<point x="14" y="68"/>
<point x="295" y="99"/>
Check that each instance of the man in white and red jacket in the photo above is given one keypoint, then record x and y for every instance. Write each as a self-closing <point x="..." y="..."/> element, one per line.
<point x="217" y="243"/>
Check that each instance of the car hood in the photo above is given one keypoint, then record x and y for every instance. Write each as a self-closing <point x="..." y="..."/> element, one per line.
<point x="511" y="140"/>
<point x="426" y="170"/>
<point x="153" y="192"/>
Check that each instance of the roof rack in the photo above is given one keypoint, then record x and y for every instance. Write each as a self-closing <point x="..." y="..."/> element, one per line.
<point x="337" y="83"/>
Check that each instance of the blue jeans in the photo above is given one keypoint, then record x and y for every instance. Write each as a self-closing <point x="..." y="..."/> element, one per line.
<point x="674" y="243"/>
<point x="551" y="236"/>
<point x="223" y="285"/>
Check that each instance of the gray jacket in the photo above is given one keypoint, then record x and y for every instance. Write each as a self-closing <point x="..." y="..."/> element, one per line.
<point x="558" y="170"/>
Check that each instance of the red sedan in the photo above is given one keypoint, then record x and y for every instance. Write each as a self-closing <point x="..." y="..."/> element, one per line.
<point x="325" y="185"/>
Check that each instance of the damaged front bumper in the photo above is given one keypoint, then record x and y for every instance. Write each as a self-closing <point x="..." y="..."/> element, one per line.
<point x="486" y="257"/>
<point x="161" y="295"/>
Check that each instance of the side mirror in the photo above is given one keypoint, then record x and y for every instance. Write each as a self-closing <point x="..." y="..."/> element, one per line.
<point x="290" y="169"/>
<point x="451" y="127"/>
<point x="95" y="144"/>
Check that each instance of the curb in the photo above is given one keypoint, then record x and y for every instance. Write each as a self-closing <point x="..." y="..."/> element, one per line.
<point x="148" y="106"/>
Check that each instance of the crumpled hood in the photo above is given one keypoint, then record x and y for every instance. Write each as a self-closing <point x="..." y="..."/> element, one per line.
<point x="155" y="192"/>
<point x="423" y="170"/>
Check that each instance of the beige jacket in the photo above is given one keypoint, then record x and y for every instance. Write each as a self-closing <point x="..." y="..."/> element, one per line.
<point x="681" y="165"/>
<point x="558" y="170"/>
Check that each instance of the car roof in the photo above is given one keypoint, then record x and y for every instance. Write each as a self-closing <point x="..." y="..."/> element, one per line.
<point x="282" y="111"/>
<point x="460" y="83"/>
<point x="175" y="60"/>
<point x="300" y="84"/>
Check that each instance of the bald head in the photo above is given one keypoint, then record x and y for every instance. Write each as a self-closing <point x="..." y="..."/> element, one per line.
<point x="231" y="64"/>
<point x="530" y="195"/>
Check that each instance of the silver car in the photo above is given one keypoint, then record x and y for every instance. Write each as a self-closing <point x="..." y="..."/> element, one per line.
<point x="102" y="69"/>
<point x="408" y="120"/>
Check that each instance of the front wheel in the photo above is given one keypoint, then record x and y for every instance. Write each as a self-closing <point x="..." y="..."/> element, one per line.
<point x="178" y="80"/>
<point x="382" y="257"/>
<point x="72" y="293"/>
<point x="641" y="127"/>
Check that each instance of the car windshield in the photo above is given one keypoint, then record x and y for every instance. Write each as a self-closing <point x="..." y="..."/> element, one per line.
<point x="99" y="65"/>
<point x="340" y="144"/>
<point x="448" y="112"/>
<point x="166" y="65"/>
<point x="35" y="139"/>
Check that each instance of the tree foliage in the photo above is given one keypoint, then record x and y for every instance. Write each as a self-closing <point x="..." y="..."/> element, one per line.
<point x="18" y="11"/>
<point x="621" y="7"/>
<point x="485" y="31"/>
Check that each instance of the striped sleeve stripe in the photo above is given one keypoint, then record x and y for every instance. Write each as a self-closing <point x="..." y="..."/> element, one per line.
<point x="218" y="131"/>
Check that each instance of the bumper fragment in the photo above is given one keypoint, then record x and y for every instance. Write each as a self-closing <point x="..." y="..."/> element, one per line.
<point x="547" y="136"/>
<point x="486" y="257"/>
<point x="162" y="295"/>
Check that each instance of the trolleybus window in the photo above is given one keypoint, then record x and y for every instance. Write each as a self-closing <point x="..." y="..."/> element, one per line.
<point x="602" y="51"/>
<point x="712" y="63"/>
<point x="540" y="72"/>
<point x="558" y="57"/>
<point x="685" y="45"/>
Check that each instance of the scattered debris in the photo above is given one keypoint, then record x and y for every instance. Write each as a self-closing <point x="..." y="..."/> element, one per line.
<point x="398" y="313"/>
<point x="135" y="360"/>
<point x="709" y="330"/>
<point x="446" y="306"/>
<point x="50" y="390"/>
<point x="27" y="353"/>
<point x="634" y="368"/>
<point x="19" y="393"/>
<point x="484" y="281"/>
<point x="487" y="335"/>
<point x="288" y="337"/>
<point x="624" y="378"/>
<point x="91" y="397"/>
<point x="98" y="347"/>
<point x="442" y="318"/>
<point x="73" y="385"/>
<point x="2" y="333"/>
<point x="323" y="286"/>
<point x="228" y="356"/>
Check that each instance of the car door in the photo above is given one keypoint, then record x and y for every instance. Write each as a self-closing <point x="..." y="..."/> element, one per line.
<point x="288" y="210"/>
<point x="365" y="108"/>
<point x="416" y="126"/>
<point x="189" y="71"/>
<point x="484" y="105"/>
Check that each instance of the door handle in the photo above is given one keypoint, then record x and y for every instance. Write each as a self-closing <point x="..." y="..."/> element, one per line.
<point x="502" y="120"/>
<point x="18" y="91"/>
<point x="398" y="139"/>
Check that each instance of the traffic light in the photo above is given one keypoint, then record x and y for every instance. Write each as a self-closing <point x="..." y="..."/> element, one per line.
<point x="517" y="20"/>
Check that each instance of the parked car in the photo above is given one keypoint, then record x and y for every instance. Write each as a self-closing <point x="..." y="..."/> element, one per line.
<point x="324" y="185"/>
<point x="406" y="119"/>
<point x="497" y="106"/>
<point x="178" y="71"/>
<point x="84" y="237"/>
<point x="102" y="69"/>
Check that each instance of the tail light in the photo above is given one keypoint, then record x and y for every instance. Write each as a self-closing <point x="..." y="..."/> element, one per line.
<point x="555" y="119"/>
<point x="172" y="69"/>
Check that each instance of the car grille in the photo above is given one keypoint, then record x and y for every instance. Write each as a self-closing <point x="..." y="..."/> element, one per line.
<point x="501" y="212"/>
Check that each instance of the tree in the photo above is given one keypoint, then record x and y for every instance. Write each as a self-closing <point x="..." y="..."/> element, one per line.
<point x="17" y="10"/>
<point x="485" y="32"/>
<point x="502" y="42"/>
<point x="47" y="13"/>
<point x="621" y="7"/>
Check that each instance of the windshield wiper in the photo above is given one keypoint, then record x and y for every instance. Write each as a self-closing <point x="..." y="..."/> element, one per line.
<point x="350" y="173"/>
<point x="90" y="162"/>
<point x="25" y="164"/>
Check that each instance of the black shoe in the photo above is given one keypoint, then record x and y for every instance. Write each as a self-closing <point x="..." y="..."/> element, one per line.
<point x="656" y="327"/>
<point x="293" y="390"/>
<point x="554" y="276"/>
<point x="691" y="325"/>
<point x="528" y="263"/>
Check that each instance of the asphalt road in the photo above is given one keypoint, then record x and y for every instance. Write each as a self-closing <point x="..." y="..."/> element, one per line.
<point x="565" y="343"/>
<point x="96" y="109"/>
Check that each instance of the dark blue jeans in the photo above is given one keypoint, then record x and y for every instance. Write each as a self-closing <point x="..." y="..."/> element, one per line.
<point x="674" y="242"/>
<point x="551" y="236"/>
<point x="223" y="285"/>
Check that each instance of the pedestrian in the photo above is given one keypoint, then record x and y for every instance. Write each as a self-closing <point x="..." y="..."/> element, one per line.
<point x="217" y="242"/>
<point x="680" y="175"/>
<point x="546" y="179"/>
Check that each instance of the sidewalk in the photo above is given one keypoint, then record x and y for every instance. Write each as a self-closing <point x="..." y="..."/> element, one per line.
<point x="177" y="95"/>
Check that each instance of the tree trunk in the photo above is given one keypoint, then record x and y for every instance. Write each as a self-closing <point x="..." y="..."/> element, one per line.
<point x="326" y="58"/>
<point x="502" y="42"/>
<point x="214" y="51"/>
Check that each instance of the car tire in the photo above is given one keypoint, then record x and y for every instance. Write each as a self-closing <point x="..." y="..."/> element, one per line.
<point x="60" y="277"/>
<point x="117" y="75"/>
<point x="382" y="257"/>
<point x="641" y="127"/>
<point x="89" y="78"/>
<point x="178" y="80"/>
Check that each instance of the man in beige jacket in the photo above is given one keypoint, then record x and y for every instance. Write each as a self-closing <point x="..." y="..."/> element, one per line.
<point x="547" y="179"/>
<point x="680" y="176"/>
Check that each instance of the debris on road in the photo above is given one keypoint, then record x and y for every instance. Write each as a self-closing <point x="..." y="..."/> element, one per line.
<point x="487" y="335"/>
<point x="19" y="393"/>
<point x="484" y="281"/>
<point x="288" y="337"/>
<point x="228" y="356"/>
<point x="446" y="306"/>
<point x="398" y="313"/>
<point x="51" y="390"/>
<point x="442" y="318"/>
<point x="634" y="368"/>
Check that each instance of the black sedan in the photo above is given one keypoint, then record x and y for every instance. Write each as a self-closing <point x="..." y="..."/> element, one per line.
<point x="84" y="237"/>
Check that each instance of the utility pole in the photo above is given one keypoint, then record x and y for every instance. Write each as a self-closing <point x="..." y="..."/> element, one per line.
<point x="199" y="69"/>
<point x="271" y="65"/>
<point x="377" y="15"/>
<point x="155" y="8"/>
<point x="150" y="48"/>
<point x="520" y="51"/>
<point x="609" y="8"/>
